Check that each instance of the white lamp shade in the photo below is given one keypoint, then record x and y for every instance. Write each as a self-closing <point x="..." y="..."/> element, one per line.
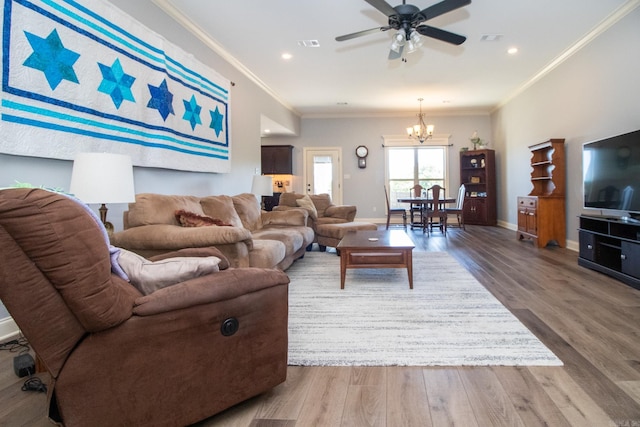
<point x="262" y="185"/>
<point x="102" y="178"/>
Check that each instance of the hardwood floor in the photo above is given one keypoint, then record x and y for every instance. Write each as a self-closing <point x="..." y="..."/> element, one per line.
<point x="590" y="321"/>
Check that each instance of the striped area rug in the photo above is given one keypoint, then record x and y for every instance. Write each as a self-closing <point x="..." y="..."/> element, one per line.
<point x="448" y="319"/>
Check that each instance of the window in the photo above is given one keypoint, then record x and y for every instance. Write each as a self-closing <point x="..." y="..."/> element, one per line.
<point x="408" y="166"/>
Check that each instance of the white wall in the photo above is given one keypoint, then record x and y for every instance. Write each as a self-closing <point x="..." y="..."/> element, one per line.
<point x="592" y="95"/>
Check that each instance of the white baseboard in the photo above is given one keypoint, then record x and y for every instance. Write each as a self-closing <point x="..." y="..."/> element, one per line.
<point x="571" y="244"/>
<point x="8" y="329"/>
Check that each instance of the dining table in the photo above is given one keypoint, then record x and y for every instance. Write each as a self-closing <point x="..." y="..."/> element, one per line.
<point x="421" y="204"/>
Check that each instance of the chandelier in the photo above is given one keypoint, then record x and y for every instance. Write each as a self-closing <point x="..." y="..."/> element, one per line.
<point x="421" y="131"/>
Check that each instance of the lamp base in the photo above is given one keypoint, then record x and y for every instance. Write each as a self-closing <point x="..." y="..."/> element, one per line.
<point x="109" y="227"/>
<point x="103" y="217"/>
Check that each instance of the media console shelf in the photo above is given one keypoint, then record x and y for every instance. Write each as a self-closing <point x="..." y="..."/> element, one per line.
<point x="611" y="246"/>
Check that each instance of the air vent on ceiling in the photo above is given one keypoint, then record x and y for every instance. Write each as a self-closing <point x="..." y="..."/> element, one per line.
<point x="308" y="43"/>
<point x="490" y="37"/>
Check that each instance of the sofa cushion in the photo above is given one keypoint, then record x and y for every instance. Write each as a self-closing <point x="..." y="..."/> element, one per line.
<point x="307" y="204"/>
<point x="248" y="209"/>
<point x="289" y="199"/>
<point x="160" y="209"/>
<point x="292" y="239"/>
<point x="149" y="276"/>
<point x="221" y="207"/>
<point x="321" y="202"/>
<point x="267" y="253"/>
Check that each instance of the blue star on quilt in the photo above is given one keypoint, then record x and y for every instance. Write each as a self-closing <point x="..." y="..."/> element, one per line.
<point x="192" y="112"/>
<point x="161" y="99"/>
<point x="216" y="121"/>
<point x="52" y="58"/>
<point x="116" y="83"/>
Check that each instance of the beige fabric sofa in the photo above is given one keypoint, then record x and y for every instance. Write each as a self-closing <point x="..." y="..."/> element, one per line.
<point x="255" y="238"/>
<point x="327" y="213"/>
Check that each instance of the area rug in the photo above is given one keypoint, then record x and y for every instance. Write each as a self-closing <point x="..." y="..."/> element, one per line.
<point x="447" y="319"/>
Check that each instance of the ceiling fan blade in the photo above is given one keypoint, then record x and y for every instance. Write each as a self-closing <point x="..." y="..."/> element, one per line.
<point x="439" y="9"/>
<point x="382" y="6"/>
<point x="360" y="33"/>
<point x="395" y="55"/>
<point x="439" y="34"/>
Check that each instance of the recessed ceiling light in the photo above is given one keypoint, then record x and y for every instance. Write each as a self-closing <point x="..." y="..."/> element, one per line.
<point x="286" y="56"/>
<point x="512" y="50"/>
<point x="267" y="131"/>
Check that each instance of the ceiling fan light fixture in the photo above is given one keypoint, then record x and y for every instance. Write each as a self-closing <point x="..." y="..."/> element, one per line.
<point x="398" y="41"/>
<point x="415" y="38"/>
<point x="395" y="46"/>
<point x="411" y="47"/>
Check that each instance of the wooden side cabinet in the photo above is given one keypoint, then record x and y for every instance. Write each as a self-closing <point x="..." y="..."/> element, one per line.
<point x="277" y="159"/>
<point x="478" y="174"/>
<point x="542" y="219"/>
<point x="527" y="215"/>
<point x="541" y="214"/>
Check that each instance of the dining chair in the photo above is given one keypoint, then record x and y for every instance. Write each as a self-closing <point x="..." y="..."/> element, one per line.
<point x="435" y="210"/>
<point x="416" y="209"/>
<point x="458" y="210"/>
<point x="394" y="211"/>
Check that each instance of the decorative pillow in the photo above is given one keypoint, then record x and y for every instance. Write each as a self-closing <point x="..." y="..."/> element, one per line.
<point x="148" y="276"/>
<point x="221" y="207"/>
<point x="306" y="203"/>
<point x="248" y="208"/>
<point x="190" y="219"/>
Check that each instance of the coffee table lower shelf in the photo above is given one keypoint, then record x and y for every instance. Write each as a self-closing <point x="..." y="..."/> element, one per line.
<point x="390" y="250"/>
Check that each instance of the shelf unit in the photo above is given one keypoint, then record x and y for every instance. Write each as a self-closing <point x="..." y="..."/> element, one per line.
<point x="478" y="174"/>
<point x="611" y="246"/>
<point x="541" y="214"/>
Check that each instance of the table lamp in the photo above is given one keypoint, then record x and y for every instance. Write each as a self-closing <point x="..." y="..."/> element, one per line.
<point x="262" y="185"/>
<point x="102" y="178"/>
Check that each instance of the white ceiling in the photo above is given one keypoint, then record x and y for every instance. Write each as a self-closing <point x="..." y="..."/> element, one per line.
<point x="476" y="76"/>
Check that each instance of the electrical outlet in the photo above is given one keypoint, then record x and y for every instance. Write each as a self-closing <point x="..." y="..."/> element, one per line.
<point x="374" y="208"/>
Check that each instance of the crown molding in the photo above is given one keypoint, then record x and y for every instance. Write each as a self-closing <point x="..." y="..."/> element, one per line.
<point x="603" y="26"/>
<point x="167" y="7"/>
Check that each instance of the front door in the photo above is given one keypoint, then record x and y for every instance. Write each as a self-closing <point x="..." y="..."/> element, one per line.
<point x="323" y="172"/>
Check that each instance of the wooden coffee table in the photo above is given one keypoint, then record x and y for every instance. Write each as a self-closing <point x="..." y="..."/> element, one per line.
<point x="376" y="249"/>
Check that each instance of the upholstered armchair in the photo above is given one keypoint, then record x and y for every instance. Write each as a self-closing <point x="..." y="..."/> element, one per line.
<point x="171" y="357"/>
<point x="320" y="208"/>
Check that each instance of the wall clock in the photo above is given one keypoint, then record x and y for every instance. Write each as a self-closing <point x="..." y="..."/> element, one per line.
<point x="362" y="152"/>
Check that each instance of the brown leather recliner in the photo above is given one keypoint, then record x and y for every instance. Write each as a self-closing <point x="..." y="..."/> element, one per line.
<point x="117" y="357"/>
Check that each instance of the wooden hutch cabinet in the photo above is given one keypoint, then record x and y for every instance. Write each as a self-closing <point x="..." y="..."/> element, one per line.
<point x="478" y="174"/>
<point x="541" y="214"/>
<point x="277" y="159"/>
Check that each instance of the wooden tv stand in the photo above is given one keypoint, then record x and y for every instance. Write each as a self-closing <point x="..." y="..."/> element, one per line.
<point x="612" y="246"/>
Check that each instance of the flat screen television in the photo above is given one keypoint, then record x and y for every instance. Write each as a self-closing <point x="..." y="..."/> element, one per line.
<point x="611" y="175"/>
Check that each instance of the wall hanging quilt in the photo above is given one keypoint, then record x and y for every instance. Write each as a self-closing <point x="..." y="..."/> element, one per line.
<point x="86" y="77"/>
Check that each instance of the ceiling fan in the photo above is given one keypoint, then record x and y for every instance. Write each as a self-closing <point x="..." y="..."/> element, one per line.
<point x="407" y="20"/>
